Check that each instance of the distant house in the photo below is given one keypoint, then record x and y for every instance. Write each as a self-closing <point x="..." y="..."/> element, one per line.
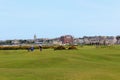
<point x="15" y="42"/>
<point x="86" y="40"/>
<point x="78" y="41"/>
<point x="99" y="40"/>
<point x="55" y="41"/>
<point x="118" y="40"/>
<point x="67" y="39"/>
<point x="111" y="40"/>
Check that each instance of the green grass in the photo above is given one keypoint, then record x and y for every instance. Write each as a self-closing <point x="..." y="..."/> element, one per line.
<point x="87" y="63"/>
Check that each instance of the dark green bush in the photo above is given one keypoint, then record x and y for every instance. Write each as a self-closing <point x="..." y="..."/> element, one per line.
<point x="22" y="47"/>
<point x="13" y="47"/>
<point x="60" y="48"/>
<point x="47" y="47"/>
<point x="72" y="47"/>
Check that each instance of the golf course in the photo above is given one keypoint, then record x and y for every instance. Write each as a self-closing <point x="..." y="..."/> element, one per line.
<point x="85" y="63"/>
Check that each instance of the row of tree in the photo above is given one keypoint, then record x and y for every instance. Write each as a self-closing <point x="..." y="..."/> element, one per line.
<point x="11" y="42"/>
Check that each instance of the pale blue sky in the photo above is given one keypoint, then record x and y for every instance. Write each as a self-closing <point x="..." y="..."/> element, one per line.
<point x="21" y="19"/>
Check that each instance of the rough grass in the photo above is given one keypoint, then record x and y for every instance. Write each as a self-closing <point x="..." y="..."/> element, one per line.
<point x="87" y="63"/>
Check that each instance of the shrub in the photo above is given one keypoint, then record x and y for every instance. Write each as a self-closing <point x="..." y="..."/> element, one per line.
<point x="22" y="47"/>
<point x="60" y="48"/>
<point x="47" y="47"/>
<point x="72" y="47"/>
<point x="13" y="47"/>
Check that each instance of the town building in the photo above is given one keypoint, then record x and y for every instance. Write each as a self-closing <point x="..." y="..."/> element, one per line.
<point x="67" y="39"/>
<point x="118" y="40"/>
<point x="100" y="40"/>
<point x="78" y="41"/>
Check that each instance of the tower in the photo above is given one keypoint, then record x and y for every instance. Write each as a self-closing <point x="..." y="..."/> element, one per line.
<point x="35" y="38"/>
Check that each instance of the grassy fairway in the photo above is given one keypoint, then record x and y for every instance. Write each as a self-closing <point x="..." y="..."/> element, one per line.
<point x="84" y="64"/>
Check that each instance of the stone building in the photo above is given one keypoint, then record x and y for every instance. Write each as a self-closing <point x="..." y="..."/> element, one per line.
<point x="67" y="39"/>
<point x="99" y="40"/>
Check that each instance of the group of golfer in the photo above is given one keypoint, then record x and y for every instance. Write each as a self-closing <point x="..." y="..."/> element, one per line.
<point x="32" y="48"/>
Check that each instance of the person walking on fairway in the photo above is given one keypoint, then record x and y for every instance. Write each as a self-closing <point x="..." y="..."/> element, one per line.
<point x="40" y="47"/>
<point x="32" y="48"/>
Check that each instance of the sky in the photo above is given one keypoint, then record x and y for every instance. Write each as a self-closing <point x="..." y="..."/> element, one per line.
<point x="21" y="19"/>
